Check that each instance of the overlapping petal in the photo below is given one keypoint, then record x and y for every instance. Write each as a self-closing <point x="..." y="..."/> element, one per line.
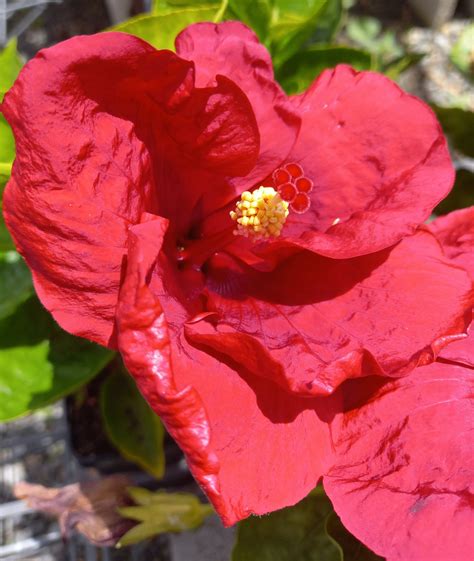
<point x="378" y="160"/>
<point x="402" y="479"/>
<point x="87" y="114"/>
<point x="455" y="231"/>
<point x="313" y="322"/>
<point x="233" y="50"/>
<point x="238" y="439"/>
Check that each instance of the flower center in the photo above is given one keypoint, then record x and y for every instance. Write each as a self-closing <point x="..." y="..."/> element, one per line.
<point x="260" y="215"/>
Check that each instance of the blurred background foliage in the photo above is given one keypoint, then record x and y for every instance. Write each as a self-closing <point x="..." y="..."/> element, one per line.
<point x="40" y="363"/>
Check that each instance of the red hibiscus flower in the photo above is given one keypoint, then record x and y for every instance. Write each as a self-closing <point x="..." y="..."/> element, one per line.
<point x="134" y="200"/>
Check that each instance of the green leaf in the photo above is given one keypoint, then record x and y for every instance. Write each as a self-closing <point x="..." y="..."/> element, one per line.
<point x="10" y="63"/>
<point x="160" y="30"/>
<point x="300" y="70"/>
<point x="462" y="53"/>
<point x="462" y="194"/>
<point x="352" y="548"/>
<point x="39" y="362"/>
<point x="7" y="155"/>
<point x="254" y="13"/>
<point x="7" y="149"/>
<point x="293" y="26"/>
<point x="458" y="124"/>
<point x="297" y="533"/>
<point x="329" y="22"/>
<point x="162" y="512"/>
<point x="166" y="6"/>
<point x="15" y="282"/>
<point x="130" y="423"/>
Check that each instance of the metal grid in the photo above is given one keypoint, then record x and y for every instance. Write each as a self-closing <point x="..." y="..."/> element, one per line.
<point x="18" y="15"/>
<point x="37" y="449"/>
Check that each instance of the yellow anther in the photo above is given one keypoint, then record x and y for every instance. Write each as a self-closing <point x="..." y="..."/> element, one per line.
<point x="260" y="215"/>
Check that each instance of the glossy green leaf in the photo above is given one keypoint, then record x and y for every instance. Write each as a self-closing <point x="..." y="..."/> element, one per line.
<point x="458" y="125"/>
<point x="462" y="54"/>
<point x="15" y="282"/>
<point x="161" y="512"/>
<point x="130" y="423"/>
<point x="301" y="69"/>
<point x="160" y="30"/>
<point x="10" y="63"/>
<point x="39" y="362"/>
<point x="296" y="533"/>
<point x="352" y="548"/>
<point x="462" y="194"/>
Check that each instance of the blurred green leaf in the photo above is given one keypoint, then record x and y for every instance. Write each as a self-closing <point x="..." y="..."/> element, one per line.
<point x="10" y="63"/>
<point x="15" y="282"/>
<point x="297" y="73"/>
<point x="462" y="53"/>
<point x="353" y="549"/>
<point x="131" y="424"/>
<point x="366" y="32"/>
<point x="328" y="22"/>
<point x="458" y="125"/>
<point x="39" y="362"/>
<point x="296" y="533"/>
<point x="461" y="196"/>
<point x="161" y="512"/>
<point x="399" y="65"/>
<point x="160" y="30"/>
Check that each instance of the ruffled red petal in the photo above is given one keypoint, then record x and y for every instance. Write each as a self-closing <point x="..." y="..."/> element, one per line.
<point x="455" y="231"/>
<point x="402" y="481"/>
<point x="378" y="160"/>
<point x="233" y="50"/>
<point x="87" y="115"/>
<point x="314" y="322"/>
<point x="238" y="439"/>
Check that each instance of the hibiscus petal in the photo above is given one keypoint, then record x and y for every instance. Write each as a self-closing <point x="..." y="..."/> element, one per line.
<point x="238" y="439"/>
<point x="84" y="114"/>
<point x="233" y="50"/>
<point x="455" y="231"/>
<point x="314" y="322"/>
<point x="378" y="161"/>
<point x="402" y="481"/>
